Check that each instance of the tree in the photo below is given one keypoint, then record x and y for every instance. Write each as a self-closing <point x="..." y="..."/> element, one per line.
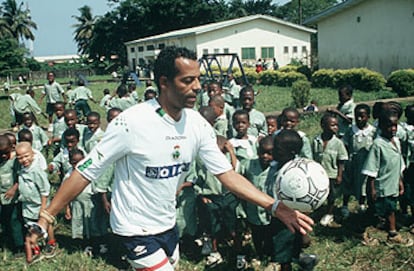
<point x="11" y="54"/>
<point x="84" y="29"/>
<point x="296" y="10"/>
<point x="17" y="21"/>
<point x="239" y="8"/>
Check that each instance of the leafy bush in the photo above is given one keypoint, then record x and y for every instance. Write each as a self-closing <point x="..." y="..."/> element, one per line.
<point x="286" y="79"/>
<point x="402" y="82"/>
<point x="288" y="68"/>
<point x="269" y="77"/>
<point x="305" y="70"/>
<point x="359" y="78"/>
<point x="301" y="93"/>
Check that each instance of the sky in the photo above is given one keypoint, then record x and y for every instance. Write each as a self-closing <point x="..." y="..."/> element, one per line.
<point x="54" y="34"/>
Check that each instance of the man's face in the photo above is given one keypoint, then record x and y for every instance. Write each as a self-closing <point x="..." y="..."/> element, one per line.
<point x="247" y="100"/>
<point x="181" y="91"/>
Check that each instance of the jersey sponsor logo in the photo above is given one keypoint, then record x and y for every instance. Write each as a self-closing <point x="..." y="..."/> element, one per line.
<point x="85" y="165"/>
<point x="139" y="250"/>
<point x="166" y="171"/>
<point x="181" y="137"/>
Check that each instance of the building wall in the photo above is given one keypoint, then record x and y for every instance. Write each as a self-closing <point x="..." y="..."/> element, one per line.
<point x="254" y="34"/>
<point x="257" y="34"/>
<point x="377" y="34"/>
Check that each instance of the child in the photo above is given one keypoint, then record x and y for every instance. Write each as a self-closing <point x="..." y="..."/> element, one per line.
<point x="215" y="89"/>
<point x="289" y="120"/>
<point x="72" y="121"/>
<point x="330" y="152"/>
<point x="81" y="95"/>
<point x="384" y="166"/>
<point x="105" y="99"/>
<point x="271" y="122"/>
<point x="11" y="225"/>
<point x="258" y="126"/>
<point x="220" y="122"/>
<point x="94" y="133"/>
<point x="408" y="154"/>
<point x="285" y="245"/>
<point x="243" y="143"/>
<point x="80" y="209"/>
<point x="40" y="138"/>
<point x="24" y="135"/>
<point x="216" y="204"/>
<point x="59" y="126"/>
<point x="12" y="138"/>
<point x="256" y="171"/>
<point x="150" y="94"/>
<point x="344" y="110"/>
<point x="60" y="163"/>
<point x="312" y="107"/>
<point x="34" y="189"/>
<point x="358" y="140"/>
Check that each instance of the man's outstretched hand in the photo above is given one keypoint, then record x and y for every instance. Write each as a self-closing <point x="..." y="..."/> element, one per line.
<point x="294" y="220"/>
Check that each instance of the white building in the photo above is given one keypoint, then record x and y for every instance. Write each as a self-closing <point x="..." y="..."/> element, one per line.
<point x="376" y="34"/>
<point x="251" y="37"/>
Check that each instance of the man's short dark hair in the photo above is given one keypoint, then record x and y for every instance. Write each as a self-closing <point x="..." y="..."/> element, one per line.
<point x="165" y="62"/>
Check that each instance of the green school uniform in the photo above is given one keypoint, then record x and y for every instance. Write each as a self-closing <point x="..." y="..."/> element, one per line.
<point x="334" y="151"/>
<point x="82" y="93"/>
<point x="385" y="163"/>
<point x="7" y="179"/>
<point x="91" y="139"/>
<point x="53" y="92"/>
<point x="221" y="126"/>
<point x="348" y="110"/>
<point x="39" y="137"/>
<point x="33" y="184"/>
<point x="121" y="103"/>
<point x="253" y="171"/>
<point x="358" y="143"/>
<point x="306" y="151"/>
<point x="258" y="124"/>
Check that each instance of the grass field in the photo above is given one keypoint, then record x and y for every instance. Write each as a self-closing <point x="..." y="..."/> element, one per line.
<point x="337" y="249"/>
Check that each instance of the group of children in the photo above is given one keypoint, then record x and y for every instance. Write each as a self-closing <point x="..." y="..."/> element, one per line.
<point x="373" y="163"/>
<point x="26" y="186"/>
<point x="362" y="160"/>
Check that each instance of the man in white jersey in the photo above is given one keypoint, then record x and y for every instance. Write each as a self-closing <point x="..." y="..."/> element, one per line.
<point x="152" y="145"/>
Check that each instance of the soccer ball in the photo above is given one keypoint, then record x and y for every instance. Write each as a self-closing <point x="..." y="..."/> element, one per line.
<point x="302" y="184"/>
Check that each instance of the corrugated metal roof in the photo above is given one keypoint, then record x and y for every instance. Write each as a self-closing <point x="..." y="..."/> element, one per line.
<point x="331" y="11"/>
<point x="215" y="26"/>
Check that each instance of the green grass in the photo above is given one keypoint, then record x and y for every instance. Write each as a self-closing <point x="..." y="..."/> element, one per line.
<point x="338" y="249"/>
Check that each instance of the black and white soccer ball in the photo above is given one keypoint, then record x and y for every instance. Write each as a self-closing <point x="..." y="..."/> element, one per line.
<point x="302" y="184"/>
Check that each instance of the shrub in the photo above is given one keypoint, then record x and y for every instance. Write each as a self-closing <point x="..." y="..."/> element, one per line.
<point x="301" y="93"/>
<point x="323" y="78"/>
<point x="286" y="79"/>
<point x="359" y="78"/>
<point x="268" y="77"/>
<point x="305" y="70"/>
<point x="288" y="68"/>
<point x="402" y="82"/>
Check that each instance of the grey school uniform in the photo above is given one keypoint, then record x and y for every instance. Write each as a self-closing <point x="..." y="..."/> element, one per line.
<point x="258" y="124"/>
<point x="221" y="125"/>
<point x="348" y="110"/>
<point x="39" y="137"/>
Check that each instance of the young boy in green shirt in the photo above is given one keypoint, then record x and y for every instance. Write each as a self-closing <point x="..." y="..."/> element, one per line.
<point x="384" y="167"/>
<point x="330" y="152"/>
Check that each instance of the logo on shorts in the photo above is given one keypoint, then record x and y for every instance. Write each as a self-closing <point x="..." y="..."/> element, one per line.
<point x="176" y="153"/>
<point x="139" y="250"/>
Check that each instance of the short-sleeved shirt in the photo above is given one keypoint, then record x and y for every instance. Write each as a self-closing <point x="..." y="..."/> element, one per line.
<point x="7" y="178"/>
<point x="91" y="139"/>
<point x="53" y="92"/>
<point x="385" y="163"/>
<point x="245" y="148"/>
<point x="253" y="171"/>
<point x="81" y="93"/>
<point x="306" y="151"/>
<point x="408" y="145"/>
<point x="221" y="125"/>
<point x="121" y="103"/>
<point x="348" y="110"/>
<point x="152" y="154"/>
<point x="258" y="124"/>
<point x="33" y="185"/>
<point x="25" y="104"/>
<point x="39" y="137"/>
<point x="334" y="151"/>
<point x="359" y="141"/>
<point x="59" y="126"/>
